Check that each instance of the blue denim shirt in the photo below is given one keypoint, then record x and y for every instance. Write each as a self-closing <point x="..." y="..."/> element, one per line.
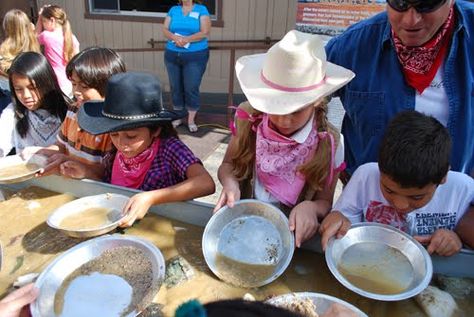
<point x="379" y="90"/>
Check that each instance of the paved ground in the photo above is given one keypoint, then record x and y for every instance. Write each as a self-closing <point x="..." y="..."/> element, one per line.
<point x="210" y="142"/>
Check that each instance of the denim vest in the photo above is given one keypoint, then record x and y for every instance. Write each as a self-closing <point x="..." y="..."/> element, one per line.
<point x="379" y="91"/>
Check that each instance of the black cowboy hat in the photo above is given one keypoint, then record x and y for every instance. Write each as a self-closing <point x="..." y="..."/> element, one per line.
<point x="132" y="100"/>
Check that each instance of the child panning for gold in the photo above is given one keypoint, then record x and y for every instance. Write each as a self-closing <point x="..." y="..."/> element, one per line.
<point x="411" y="187"/>
<point x="148" y="154"/>
<point x="285" y="151"/>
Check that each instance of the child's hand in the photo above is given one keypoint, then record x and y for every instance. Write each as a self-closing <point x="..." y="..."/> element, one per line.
<point x="335" y="224"/>
<point x="53" y="163"/>
<point x="73" y="169"/>
<point x="229" y="195"/>
<point x="136" y="208"/>
<point x="304" y="221"/>
<point x="14" y="303"/>
<point x="442" y="242"/>
<point x="28" y="152"/>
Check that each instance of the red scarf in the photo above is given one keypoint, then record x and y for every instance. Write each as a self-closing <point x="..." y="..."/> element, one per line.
<point x="131" y="172"/>
<point x="420" y="63"/>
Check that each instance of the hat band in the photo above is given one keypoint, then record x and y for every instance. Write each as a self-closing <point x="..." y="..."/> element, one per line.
<point x="290" y="89"/>
<point x="135" y="117"/>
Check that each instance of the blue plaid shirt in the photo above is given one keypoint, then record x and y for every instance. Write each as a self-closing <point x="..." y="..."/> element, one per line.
<point x="379" y="91"/>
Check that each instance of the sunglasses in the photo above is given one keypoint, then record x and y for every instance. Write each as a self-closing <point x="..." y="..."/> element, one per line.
<point x="421" y="6"/>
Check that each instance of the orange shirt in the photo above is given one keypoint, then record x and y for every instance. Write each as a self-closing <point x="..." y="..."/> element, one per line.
<point x="81" y="145"/>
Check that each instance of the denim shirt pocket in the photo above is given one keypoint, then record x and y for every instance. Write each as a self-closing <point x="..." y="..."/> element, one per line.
<point x="366" y="111"/>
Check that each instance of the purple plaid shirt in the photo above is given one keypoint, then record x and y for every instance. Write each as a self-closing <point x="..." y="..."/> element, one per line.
<point x="168" y="168"/>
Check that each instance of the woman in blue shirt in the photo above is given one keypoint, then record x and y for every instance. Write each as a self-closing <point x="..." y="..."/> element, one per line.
<point x="186" y="27"/>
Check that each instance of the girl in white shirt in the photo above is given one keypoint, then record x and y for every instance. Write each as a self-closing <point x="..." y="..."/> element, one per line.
<point x="38" y="106"/>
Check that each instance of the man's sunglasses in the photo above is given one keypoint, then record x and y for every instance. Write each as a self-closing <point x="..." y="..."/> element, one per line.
<point x="421" y="6"/>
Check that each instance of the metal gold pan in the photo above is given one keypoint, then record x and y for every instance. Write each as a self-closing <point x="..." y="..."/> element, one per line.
<point x="379" y="262"/>
<point x="321" y="301"/>
<point x="248" y="245"/>
<point x="51" y="279"/>
<point x="114" y="202"/>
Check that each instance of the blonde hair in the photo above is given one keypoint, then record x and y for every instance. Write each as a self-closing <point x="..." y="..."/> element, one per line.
<point x="19" y="37"/>
<point x="316" y="170"/>
<point x="56" y="12"/>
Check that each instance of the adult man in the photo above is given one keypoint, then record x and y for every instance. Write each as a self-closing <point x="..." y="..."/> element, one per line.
<point x="416" y="55"/>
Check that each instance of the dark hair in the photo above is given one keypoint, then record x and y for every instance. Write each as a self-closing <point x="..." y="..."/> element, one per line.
<point x="232" y="308"/>
<point x="94" y="66"/>
<point x="415" y="150"/>
<point x="36" y="67"/>
<point x="167" y="130"/>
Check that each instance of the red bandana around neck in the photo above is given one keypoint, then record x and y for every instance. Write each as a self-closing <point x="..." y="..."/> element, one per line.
<point x="131" y="172"/>
<point x="420" y="63"/>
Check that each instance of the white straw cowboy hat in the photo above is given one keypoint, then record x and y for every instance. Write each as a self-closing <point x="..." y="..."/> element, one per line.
<point x="292" y="74"/>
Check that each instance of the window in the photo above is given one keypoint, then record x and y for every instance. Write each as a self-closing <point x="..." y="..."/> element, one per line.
<point x="143" y="10"/>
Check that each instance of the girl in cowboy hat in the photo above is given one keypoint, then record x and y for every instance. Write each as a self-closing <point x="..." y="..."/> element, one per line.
<point x="285" y="151"/>
<point x="148" y="154"/>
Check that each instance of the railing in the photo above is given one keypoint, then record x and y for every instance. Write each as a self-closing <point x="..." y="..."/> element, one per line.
<point x="231" y="46"/>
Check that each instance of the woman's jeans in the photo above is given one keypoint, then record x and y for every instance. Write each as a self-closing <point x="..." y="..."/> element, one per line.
<point x="185" y="71"/>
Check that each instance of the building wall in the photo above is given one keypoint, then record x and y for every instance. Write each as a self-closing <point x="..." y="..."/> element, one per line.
<point x="243" y="20"/>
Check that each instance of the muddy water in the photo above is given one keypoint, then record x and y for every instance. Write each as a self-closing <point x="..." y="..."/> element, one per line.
<point x="376" y="268"/>
<point x="27" y="236"/>
<point x="88" y="219"/>
<point x="17" y="170"/>
<point x="242" y="274"/>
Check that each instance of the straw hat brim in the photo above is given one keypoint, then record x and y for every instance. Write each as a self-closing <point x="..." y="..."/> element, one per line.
<point x="278" y="102"/>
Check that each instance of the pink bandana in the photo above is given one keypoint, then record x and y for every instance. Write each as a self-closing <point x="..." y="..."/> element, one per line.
<point x="277" y="160"/>
<point x="131" y="172"/>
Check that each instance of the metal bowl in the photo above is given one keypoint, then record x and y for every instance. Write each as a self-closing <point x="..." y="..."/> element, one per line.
<point x="379" y="262"/>
<point x="51" y="279"/>
<point x="114" y="202"/>
<point x="321" y="301"/>
<point x="39" y="162"/>
<point x="248" y="245"/>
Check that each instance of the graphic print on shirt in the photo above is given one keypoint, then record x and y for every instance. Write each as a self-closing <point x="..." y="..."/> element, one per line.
<point x="380" y="213"/>
<point x="428" y="223"/>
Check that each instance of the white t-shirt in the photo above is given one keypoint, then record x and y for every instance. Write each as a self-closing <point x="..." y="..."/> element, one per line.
<point x="434" y="100"/>
<point x="362" y="200"/>
<point x="300" y="136"/>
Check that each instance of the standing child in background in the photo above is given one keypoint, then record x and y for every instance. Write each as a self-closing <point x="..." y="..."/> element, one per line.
<point x="285" y="151"/>
<point x="60" y="45"/>
<point x="411" y="187"/>
<point x="38" y="107"/>
<point x="19" y="37"/>
<point x="148" y="155"/>
<point x="88" y="71"/>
